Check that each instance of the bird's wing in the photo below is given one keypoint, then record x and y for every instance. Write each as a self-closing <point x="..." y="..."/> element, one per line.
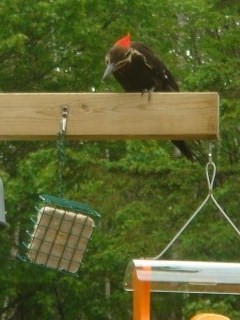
<point x="157" y="66"/>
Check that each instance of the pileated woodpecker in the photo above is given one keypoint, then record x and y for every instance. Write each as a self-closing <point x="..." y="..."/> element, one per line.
<point x="138" y="69"/>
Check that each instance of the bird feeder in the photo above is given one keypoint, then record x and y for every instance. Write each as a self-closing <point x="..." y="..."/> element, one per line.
<point x="145" y="276"/>
<point x="184" y="276"/>
<point x="61" y="232"/>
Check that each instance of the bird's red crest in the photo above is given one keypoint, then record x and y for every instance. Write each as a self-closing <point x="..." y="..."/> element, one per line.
<point x="124" y="42"/>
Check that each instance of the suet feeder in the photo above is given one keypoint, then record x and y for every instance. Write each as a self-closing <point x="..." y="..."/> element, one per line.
<point x="61" y="232"/>
<point x="62" y="228"/>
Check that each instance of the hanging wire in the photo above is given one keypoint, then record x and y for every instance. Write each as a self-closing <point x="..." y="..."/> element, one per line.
<point x="210" y="174"/>
<point x="61" y="150"/>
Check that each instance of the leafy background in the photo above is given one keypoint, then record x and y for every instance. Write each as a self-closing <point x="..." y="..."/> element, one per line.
<point x="143" y="189"/>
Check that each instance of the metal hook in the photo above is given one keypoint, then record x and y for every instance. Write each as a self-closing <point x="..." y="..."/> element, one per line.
<point x="64" y="119"/>
<point x="210" y="175"/>
<point x="210" y="158"/>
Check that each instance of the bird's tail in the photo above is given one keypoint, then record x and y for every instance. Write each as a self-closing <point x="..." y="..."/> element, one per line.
<point x="181" y="145"/>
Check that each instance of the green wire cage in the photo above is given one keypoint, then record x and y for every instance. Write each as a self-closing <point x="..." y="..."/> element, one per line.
<point x="60" y="235"/>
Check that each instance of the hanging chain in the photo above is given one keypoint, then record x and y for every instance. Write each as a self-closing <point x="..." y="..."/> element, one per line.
<point x="210" y="175"/>
<point x="61" y="151"/>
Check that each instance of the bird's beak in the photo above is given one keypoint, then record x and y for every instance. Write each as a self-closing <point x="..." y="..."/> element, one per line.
<point x="108" y="71"/>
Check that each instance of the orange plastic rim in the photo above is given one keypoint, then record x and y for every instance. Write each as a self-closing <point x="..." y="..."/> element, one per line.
<point x="209" y="316"/>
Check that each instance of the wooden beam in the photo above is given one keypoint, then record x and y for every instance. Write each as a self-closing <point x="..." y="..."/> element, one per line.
<point x="37" y="116"/>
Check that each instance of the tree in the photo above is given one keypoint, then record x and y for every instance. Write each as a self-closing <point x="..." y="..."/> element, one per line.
<point x="143" y="191"/>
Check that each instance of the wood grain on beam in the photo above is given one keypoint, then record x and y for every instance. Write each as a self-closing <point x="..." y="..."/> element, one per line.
<point x="109" y="116"/>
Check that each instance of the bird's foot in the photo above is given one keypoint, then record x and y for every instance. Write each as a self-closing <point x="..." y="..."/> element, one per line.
<point x="149" y="92"/>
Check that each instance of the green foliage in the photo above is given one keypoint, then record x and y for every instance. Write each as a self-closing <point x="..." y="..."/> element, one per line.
<point x="216" y="305"/>
<point x="144" y="192"/>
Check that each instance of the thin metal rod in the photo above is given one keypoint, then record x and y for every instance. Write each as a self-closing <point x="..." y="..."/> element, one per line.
<point x="225" y="215"/>
<point x="183" y="228"/>
<point x="3" y="223"/>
